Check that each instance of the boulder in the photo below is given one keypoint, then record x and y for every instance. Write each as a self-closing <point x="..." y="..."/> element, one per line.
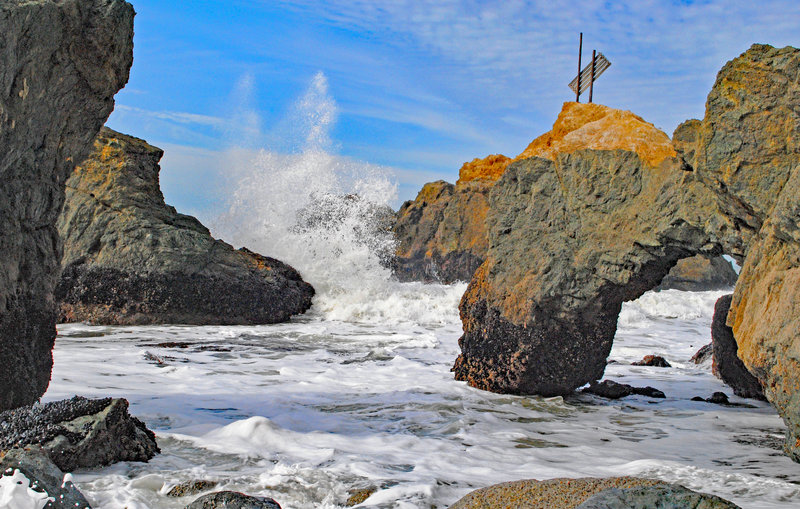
<point x="672" y="496"/>
<point x="571" y="239"/>
<point x="703" y="354"/>
<point x="187" y="488"/>
<point x="698" y="274"/>
<point x="129" y="258"/>
<point x="726" y="363"/>
<point x="747" y="150"/>
<point x="63" y="61"/>
<point x="562" y="493"/>
<point x="79" y="432"/>
<point x="44" y="477"/>
<point x="653" y="360"/>
<point x="232" y="500"/>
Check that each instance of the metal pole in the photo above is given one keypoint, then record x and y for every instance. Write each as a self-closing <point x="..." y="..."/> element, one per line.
<point x="580" y="50"/>
<point x="591" y="83"/>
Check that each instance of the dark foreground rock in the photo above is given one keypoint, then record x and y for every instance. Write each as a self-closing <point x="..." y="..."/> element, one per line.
<point x="79" y="432"/>
<point x="614" y="390"/>
<point x="727" y="365"/>
<point x="232" y="500"/>
<point x="62" y="63"/>
<point x="131" y="259"/>
<point x="662" y="497"/>
<point x="44" y="476"/>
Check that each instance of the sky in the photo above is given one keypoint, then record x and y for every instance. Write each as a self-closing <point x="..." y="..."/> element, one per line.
<point x="419" y="86"/>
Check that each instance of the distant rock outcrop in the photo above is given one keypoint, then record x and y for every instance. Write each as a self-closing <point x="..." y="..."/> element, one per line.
<point x="62" y="63"/>
<point x="699" y="273"/>
<point x="131" y="259"/>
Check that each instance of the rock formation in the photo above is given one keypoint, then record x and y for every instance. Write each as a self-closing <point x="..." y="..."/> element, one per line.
<point x="79" y="432"/>
<point x="599" y="210"/>
<point x="44" y="476"/>
<point x="726" y="363"/>
<point x="130" y="259"/>
<point x="63" y="61"/>
<point x="699" y="273"/>
<point x="570" y="239"/>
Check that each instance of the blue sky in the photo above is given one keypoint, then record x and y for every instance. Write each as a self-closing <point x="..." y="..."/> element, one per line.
<point x="421" y="86"/>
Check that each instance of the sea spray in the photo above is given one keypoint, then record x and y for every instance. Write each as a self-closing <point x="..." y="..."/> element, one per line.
<point x="326" y="215"/>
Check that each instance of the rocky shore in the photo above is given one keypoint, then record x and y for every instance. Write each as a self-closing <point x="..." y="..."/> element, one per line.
<point x="129" y="258"/>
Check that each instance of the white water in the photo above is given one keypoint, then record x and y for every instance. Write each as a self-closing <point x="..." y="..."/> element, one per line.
<point x="359" y="393"/>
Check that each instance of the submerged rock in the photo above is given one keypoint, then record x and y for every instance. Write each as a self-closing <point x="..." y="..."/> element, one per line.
<point x="131" y="259"/>
<point x="672" y="496"/>
<point x="45" y="477"/>
<point x="563" y="493"/>
<point x="79" y="432"/>
<point x="232" y="500"/>
<point x="63" y="61"/>
<point x="727" y="365"/>
<point x="187" y="488"/>
<point x="615" y="390"/>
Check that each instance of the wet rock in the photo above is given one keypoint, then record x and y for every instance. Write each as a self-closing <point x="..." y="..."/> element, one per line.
<point x="727" y="365"/>
<point x="672" y="496"/>
<point x="570" y="239"/>
<point x="699" y="273"/>
<point x="561" y="493"/>
<point x="79" y="432"/>
<point x="34" y="463"/>
<point x="63" y="61"/>
<point x="702" y="355"/>
<point x="232" y="500"/>
<point x="187" y="488"/>
<point x="357" y="496"/>
<point x="653" y="360"/>
<point x="131" y="259"/>
<point x="720" y="398"/>
<point x="615" y="390"/>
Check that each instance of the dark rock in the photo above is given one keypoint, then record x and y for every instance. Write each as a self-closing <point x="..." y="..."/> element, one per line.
<point x="131" y="259"/>
<point x="699" y="273"/>
<point x="720" y="398"/>
<point x="614" y="390"/>
<point x="232" y="500"/>
<point x="34" y="463"/>
<point x="702" y="355"/>
<point x="79" y="432"/>
<point x="672" y="496"/>
<point x="191" y="488"/>
<point x="653" y="360"/>
<point x="63" y="61"/>
<point x="727" y="365"/>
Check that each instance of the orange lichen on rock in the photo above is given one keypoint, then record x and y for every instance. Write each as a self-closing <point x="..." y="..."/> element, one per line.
<point x="598" y="127"/>
<point x="489" y="168"/>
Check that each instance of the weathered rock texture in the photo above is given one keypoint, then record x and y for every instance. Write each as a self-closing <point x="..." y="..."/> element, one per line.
<point x="699" y="273"/>
<point x="232" y="500"/>
<point x="130" y="259"/>
<point x="34" y="463"/>
<point x="79" y="432"/>
<point x="726" y="363"/>
<point x="570" y="239"/>
<point x="647" y="497"/>
<point x="62" y="63"/>
<point x="747" y="150"/>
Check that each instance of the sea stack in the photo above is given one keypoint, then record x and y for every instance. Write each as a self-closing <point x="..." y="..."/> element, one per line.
<point x="63" y="61"/>
<point x="129" y="258"/>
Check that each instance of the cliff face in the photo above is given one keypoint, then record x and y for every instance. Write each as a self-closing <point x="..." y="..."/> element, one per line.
<point x="129" y="258"/>
<point x="747" y="150"/>
<point x="63" y="61"/>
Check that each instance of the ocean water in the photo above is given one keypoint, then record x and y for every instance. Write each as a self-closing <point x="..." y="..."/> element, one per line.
<point x="357" y="393"/>
<point x="363" y="397"/>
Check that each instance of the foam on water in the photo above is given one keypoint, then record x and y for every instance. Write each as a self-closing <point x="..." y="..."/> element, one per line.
<point x="305" y="411"/>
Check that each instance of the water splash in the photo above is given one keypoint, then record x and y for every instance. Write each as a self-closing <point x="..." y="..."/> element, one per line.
<point x="326" y="215"/>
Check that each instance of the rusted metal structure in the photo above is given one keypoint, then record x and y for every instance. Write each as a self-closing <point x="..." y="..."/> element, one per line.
<point x="587" y="76"/>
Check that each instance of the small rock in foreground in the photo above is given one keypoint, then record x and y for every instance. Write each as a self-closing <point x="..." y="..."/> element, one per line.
<point x="45" y="477"/>
<point x="232" y="500"/>
<point x="191" y="488"/>
<point x="663" y="497"/>
<point x="359" y="495"/>
<point x="653" y="360"/>
<point x="615" y="390"/>
<point x="79" y="432"/>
